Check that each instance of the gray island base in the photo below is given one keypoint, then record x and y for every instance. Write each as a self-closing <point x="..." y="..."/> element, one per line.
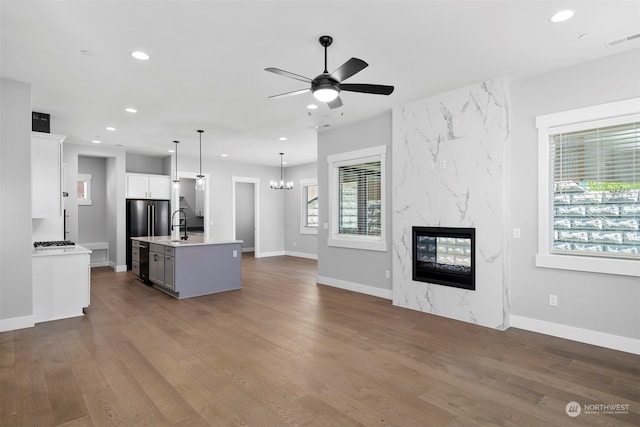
<point x="195" y="267"/>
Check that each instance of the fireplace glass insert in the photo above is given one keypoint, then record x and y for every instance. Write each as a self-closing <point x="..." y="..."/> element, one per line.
<point x="445" y="256"/>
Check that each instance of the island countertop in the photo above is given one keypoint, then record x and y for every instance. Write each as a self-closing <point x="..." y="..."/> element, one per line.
<point x="191" y="241"/>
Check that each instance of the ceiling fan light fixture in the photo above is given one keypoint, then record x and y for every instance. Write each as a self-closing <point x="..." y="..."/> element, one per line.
<point x="325" y="94"/>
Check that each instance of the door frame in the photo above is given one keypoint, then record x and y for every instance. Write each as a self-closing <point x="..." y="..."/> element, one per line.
<point x="175" y="200"/>
<point x="256" y="208"/>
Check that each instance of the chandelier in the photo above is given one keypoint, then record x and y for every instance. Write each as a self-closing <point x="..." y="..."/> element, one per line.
<point x="281" y="185"/>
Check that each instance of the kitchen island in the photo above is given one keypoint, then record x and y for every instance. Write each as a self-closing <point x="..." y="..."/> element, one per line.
<point x="193" y="267"/>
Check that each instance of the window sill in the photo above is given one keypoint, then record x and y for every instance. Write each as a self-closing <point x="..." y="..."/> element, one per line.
<point x="308" y="230"/>
<point x="354" y="243"/>
<point x="623" y="267"/>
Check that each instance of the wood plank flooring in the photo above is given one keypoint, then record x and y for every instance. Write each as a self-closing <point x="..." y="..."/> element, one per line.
<point x="285" y="351"/>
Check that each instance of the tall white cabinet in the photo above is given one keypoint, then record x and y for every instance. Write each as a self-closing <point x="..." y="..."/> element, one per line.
<point x="46" y="186"/>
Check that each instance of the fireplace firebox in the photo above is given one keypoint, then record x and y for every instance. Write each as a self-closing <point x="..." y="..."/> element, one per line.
<point x="445" y="256"/>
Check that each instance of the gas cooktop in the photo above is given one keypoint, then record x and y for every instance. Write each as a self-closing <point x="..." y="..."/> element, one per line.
<point x="51" y="244"/>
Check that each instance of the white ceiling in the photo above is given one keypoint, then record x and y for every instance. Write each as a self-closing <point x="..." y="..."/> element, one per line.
<point x="208" y="57"/>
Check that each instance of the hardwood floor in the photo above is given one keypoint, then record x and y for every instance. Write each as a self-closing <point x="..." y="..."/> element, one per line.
<point x="285" y="351"/>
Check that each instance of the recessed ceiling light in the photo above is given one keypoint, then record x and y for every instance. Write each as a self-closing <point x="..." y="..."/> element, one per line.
<point x="130" y="110"/>
<point x="284" y="163"/>
<point x="95" y="141"/>
<point x="312" y="106"/>
<point x="562" y="16"/>
<point x="283" y="138"/>
<point x="111" y="128"/>
<point x="224" y="155"/>
<point x="171" y="151"/>
<point x="138" y="54"/>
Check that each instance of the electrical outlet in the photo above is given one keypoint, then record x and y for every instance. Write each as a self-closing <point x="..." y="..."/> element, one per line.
<point x="443" y="164"/>
<point x="553" y="300"/>
<point x="387" y="274"/>
<point x="516" y="233"/>
<point x="235" y="254"/>
<point x="432" y="165"/>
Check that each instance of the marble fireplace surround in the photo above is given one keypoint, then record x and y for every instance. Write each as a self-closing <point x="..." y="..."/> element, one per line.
<point x="449" y="155"/>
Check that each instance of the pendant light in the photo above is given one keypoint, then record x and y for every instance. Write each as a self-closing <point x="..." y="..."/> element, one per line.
<point x="281" y="185"/>
<point x="176" y="181"/>
<point x="200" y="177"/>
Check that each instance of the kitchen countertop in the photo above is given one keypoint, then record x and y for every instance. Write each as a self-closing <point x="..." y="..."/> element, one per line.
<point x="192" y="241"/>
<point x="67" y="250"/>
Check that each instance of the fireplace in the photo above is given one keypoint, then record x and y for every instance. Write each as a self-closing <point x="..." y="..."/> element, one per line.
<point x="445" y="256"/>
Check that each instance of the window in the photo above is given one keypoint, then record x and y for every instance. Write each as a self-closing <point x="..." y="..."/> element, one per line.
<point x="589" y="193"/>
<point x="309" y="206"/>
<point x="83" y="189"/>
<point x="356" y="193"/>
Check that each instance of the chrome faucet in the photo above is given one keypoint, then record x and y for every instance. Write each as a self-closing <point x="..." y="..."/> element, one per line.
<point x="179" y="224"/>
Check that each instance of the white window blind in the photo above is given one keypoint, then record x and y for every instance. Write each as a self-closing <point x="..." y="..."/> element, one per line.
<point x="359" y="197"/>
<point x="596" y="184"/>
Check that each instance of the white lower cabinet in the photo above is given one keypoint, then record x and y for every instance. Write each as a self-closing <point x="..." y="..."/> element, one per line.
<point x="61" y="283"/>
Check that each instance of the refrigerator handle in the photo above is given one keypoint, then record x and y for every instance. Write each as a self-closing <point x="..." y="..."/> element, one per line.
<point x="148" y="219"/>
<point x="153" y="220"/>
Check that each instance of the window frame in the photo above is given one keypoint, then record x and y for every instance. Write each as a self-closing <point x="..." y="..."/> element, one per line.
<point x="304" y="228"/>
<point x="335" y="161"/>
<point x="568" y="121"/>
<point x="85" y="178"/>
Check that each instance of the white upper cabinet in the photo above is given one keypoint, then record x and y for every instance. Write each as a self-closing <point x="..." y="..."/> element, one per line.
<point x="142" y="186"/>
<point x="46" y="175"/>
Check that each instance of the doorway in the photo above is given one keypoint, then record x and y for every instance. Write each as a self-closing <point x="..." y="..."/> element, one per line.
<point x="194" y="202"/>
<point x="245" y="201"/>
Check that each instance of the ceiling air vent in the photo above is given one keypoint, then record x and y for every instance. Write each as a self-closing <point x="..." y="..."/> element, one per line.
<point x="617" y="42"/>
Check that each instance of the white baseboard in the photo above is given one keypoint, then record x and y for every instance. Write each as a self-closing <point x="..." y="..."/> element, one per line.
<point x="301" y="255"/>
<point x="614" y="342"/>
<point x="118" y="268"/>
<point x="14" y="323"/>
<point x="356" y="287"/>
<point x="268" y="254"/>
<point x="248" y="249"/>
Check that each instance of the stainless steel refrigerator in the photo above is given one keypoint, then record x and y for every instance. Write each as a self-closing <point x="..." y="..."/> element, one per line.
<point x="146" y="218"/>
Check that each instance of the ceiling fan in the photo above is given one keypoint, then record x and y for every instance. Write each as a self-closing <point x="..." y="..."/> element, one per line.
<point x="326" y="87"/>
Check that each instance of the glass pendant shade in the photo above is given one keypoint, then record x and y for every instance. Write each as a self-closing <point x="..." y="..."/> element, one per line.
<point x="176" y="180"/>
<point x="200" y="177"/>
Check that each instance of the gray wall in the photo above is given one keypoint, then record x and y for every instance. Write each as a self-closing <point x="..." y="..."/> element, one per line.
<point x="115" y="181"/>
<point x="295" y="243"/>
<point x="353" y="266"/>
<point x="141" y="163"/>
<point x="92" y="219"/>
<point x="245" y="215"/>
<point x="16" y="306"/>
<point x="598" y="302"/>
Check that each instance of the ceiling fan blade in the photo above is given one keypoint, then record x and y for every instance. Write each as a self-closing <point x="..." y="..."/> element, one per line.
<point x="289" y="74"/>
<point x="348" y="69"/>
<point x="295" y="92"/>
<point x="336" y="103"/>
<point x="367" y="88"/>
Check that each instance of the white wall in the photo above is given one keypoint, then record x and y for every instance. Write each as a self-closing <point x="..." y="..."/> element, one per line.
<point x="449" y="162"/>
<point x="596" y="302"/>
<point x="296" y="244"/>
<point x="220" y="187"/>
<point x="355" y="269"/>
<point x="16" y="307"/>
